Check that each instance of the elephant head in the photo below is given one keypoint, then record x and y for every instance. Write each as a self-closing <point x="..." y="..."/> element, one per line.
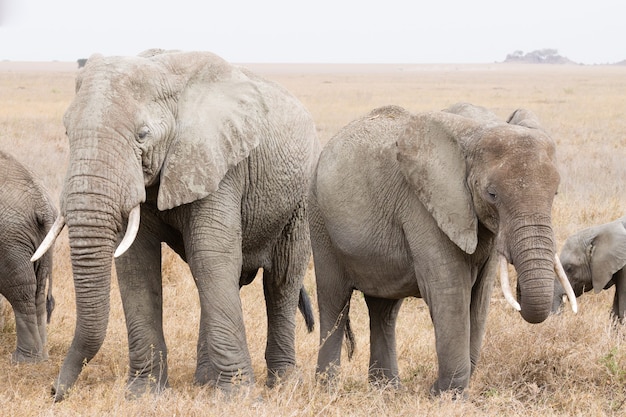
<point x="594" y="258"/>
<point x="501" y="175"/>
<point x="176" y="120"/>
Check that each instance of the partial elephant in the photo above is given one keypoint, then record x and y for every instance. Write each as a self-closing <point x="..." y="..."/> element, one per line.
<point x="594" y="258"/>
<point x="430" y="205"/>
<point x="216" y="162"/>
<point x="28" y="213"/>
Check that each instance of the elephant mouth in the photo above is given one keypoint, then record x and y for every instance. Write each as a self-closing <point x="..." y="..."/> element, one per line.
<point x="129" y="237"/>
<point x="503" y="272"/>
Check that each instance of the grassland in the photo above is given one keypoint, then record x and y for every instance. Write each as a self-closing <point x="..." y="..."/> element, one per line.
<point x="568" y="365"/>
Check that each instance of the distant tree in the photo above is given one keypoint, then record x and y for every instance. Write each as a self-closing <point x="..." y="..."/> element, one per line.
<point x="515" y="56"/>
<point x="545" y="55"/>
<point x="547" y="52"/>
<point x="540" y="56"/>
<point x="81" y="62"/>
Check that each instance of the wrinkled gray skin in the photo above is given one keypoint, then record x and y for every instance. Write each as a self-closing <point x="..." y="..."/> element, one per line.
<point x="594" y="258"/>
<point x="423" y="205"/>
<point x="26" y="215"/>
<point x="220" y="161"/>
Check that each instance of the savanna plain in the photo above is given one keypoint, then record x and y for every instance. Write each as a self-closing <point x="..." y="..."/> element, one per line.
<point x="572" y="364"/>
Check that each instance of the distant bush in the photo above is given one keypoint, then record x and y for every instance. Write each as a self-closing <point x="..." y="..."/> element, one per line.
<point x="81" y="62"/>
<point x="540" y="56"/>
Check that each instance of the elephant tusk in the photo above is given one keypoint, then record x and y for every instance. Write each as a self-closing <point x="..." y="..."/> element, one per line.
<point x="504" y="283"/>
<point x="48" y="241"/>
<point x="131" y="232"/>
<point x="560" y="273"/>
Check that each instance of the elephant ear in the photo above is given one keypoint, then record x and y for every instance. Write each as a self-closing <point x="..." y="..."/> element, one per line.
<point x="608" y="254"/>
<point x="220" y="120"/>
<point x="524" y="117"/>
<point x="478" y="113"/>
<point x="432" y="161"/>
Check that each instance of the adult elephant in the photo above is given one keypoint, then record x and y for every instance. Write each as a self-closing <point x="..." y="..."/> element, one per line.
<point x="216" y="162"/>
<point x="429" y="205"/>
<point x="594" y="258"/>
<point x="27" y="213"/>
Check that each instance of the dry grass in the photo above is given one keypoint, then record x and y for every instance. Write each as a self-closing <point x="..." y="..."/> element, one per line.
<point x="569" y="365"/>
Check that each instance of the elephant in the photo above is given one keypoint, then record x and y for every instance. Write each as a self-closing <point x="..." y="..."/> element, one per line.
<point x="187" y="149"/>
<point x="594" y="258"/>
<point x="28" y="213"/>
<point x="430" y="205"/>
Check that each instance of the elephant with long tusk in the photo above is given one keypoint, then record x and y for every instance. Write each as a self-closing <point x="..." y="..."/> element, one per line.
<point x="187" y="149"/>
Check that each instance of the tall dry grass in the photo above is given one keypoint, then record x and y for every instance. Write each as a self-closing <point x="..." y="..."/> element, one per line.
<point x="568" y="365"/>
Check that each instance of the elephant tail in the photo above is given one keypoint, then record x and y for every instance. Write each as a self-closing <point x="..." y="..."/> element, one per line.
<point x="350" y="342"/>
<point x="49" y="301"/>
<point x="304" y="305"/>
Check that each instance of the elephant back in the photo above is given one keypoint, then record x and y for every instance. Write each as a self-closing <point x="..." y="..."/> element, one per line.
<point x="22" y="193"/>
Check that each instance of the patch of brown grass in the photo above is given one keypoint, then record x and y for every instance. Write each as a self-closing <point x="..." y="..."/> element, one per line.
<point x="568" y="365"/>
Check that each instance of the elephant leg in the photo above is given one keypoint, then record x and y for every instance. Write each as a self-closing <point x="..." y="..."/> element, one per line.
<point x="333" y="295"/>
<point x="21" y="288"/>
<point x="223" y="359"/>
<point x="383" y="367"/>
<point x="619" y="300"/>
<point x="42" y="317"/>
<point x="479" y="307"/>
<point x="334" y="310"/>
<point x="449" y="304"/>
<point x="140" y="283"/>
<point x="281" y="286"/>
<point x="29" y="345"/>
<point x="44" y="301"/>
<point x="215" y="259"/>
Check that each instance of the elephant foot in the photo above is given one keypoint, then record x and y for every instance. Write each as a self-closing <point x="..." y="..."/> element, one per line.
<point x="225" y="381"/>
<point x="138" y="387"/>
<point x="381" y="381"/>
<point x="56" y="394"/>
<point x="328" y="380"/>
<point x="20" y="357"/>
<point x="276" y="377"/>
<point x="616" y="320"/>
<point x="455" y="393"/>
<point x="237" y="390"/>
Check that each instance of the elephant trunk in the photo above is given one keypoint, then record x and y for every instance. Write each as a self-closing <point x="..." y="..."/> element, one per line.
<point x="532" y="252"/>
<point x="92" y="242"/>
<point x="96" y="200"/>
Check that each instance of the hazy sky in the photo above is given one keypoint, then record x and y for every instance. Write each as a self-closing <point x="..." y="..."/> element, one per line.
<point x="363" y="31"/>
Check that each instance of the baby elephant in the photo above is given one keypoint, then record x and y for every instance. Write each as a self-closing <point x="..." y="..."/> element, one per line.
<point x="594" y="258"/>
<point x="26" y="215"/>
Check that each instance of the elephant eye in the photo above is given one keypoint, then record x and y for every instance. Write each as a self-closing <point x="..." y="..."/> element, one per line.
<point x="143" y="132"/>
<point x="491" y="195"/>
